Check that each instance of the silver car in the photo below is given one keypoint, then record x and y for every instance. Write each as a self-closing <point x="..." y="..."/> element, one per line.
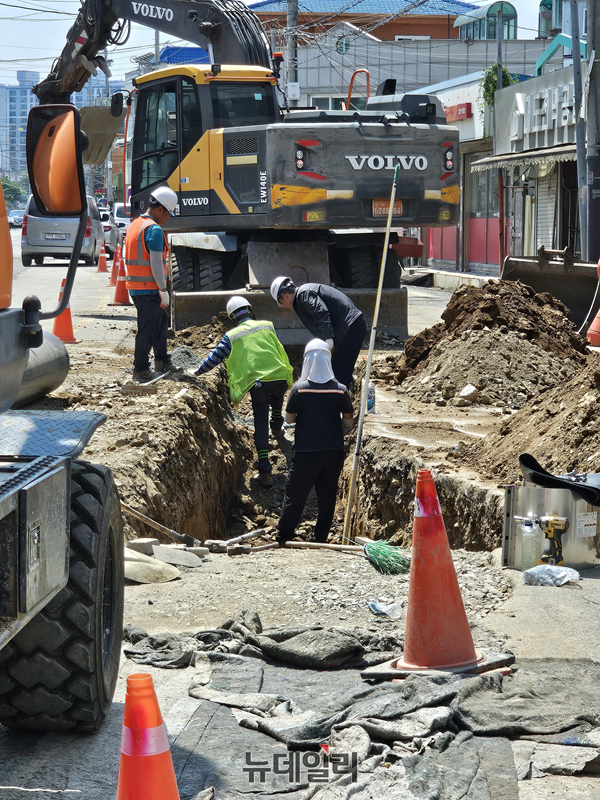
<point x="122" y="219"/>
<point x="46" y="237"/>
<point x="113" y="235"/>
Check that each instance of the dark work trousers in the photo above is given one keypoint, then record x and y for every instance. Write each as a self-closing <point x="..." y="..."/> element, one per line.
<point x="321" y="470"/>
<point x="345" y="354"/>
<point x="153" y="323"/>
<point x="269" y="393"/>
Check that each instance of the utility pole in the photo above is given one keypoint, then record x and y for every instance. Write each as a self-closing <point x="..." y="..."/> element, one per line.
<point x="579" y="130"/>
<point x="499" y="85"/>
<point x="108" y="162"/>
<point x="593" y="135"/>
<point x="292" y="46"/>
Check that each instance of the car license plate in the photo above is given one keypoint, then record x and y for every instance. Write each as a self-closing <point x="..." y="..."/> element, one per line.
<point x="381" y="208"/>
<point x="56" y="236"/>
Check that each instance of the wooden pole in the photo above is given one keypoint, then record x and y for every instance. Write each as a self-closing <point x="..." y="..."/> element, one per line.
<point x="501" y="226"/>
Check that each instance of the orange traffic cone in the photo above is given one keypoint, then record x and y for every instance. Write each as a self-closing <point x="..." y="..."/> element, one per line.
<point x="121" y="293"/>
<point x="437" y="630"/>
<point x="63" y="324"/>
<point x="102" y="265"/>
<point x="593" y="334"/>
<point x="146" y="771"/>
<point x="115" y="267"/>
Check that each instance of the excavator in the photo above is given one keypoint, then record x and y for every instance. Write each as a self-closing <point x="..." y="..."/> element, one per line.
<point x="264" y="189"/>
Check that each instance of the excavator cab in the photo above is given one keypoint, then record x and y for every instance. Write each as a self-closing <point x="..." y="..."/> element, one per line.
<point x="181" y="119"/>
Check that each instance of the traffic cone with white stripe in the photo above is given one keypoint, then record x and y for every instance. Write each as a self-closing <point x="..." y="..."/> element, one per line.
<point x="63" y="324"/>
<point x="115" y="267"/>
<point x="121" y="293"/>
<point x="102" y="265"/>
<point x="146" y="771"/>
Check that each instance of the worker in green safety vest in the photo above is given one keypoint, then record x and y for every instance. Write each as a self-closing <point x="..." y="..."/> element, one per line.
<point x="255" y="362"/>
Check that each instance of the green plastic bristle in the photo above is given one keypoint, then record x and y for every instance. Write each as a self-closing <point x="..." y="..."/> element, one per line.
<point x="386" y="558"/>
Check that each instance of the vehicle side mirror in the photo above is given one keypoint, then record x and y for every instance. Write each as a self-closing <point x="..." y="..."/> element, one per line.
<point x="54" y="160"/>
<point x="116" y="104"/>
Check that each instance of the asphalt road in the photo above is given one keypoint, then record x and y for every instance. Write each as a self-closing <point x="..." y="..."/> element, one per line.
<point x="94" y="321"/>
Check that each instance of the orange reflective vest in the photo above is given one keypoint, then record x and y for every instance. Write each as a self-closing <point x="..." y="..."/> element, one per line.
<point x="137" y="256"/>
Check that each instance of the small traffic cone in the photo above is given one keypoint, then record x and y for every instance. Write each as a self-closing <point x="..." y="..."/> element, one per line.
<point x="146" y="771"/>
<point x="63" y="324"/>
<point x="102" y="265"/>
<point x="115" y="267"/>
<point x="437" y="630"/>
<point x="121" y="293"/>
<point x="593" y="334"/>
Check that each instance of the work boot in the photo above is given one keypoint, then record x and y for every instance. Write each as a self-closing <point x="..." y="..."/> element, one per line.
<point x="143" y="375"/>
<point x="277" y="430"/>
<point x="264" y="479"/>
<point x="166" y="365"/>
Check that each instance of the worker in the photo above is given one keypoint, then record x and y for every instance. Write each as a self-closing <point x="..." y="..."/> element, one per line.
<point x="146" y="265"/>
<point x="329" y="315"/>
<point x="320" y="406"/>
<point x="255" y="361"/>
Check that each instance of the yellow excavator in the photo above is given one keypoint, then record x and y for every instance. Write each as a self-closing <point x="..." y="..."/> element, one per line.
<point x="263" y="189"/>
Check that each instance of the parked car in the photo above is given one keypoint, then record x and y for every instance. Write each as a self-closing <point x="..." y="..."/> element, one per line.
<point x="122" y="219"/>
<point x="15" y="219"/>
<point x="113" y="235"/>
<point x="46" y="237"/>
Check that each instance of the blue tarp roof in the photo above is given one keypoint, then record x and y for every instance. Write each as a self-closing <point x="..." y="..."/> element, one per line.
<point x="172" y="54"/>
<point x="332" y="7"/>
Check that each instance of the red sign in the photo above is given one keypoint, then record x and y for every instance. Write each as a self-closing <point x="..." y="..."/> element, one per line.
<point x="461" y="111"/>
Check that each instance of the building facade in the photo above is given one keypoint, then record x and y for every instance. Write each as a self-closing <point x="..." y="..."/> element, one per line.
<point x="15" y="104"/>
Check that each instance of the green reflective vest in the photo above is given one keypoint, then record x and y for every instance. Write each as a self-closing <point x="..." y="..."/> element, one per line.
<point x="256" y="354"/>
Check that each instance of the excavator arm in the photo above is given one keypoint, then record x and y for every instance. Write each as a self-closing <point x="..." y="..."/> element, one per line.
<point x="227" y="29"/>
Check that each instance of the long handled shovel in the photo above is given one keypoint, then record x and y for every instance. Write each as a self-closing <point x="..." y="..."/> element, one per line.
<point x="365" y="389"/>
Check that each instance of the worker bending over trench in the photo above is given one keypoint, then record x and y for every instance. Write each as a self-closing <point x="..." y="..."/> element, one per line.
<point x="255" y="361"/>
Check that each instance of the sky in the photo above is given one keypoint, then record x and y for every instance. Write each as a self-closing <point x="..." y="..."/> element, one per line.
<point x="33" y="33"/>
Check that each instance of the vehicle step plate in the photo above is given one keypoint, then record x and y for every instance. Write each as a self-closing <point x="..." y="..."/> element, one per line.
<point x="54" y="433"/>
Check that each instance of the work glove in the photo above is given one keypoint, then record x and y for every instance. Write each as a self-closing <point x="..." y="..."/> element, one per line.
<point x="329" y="343"/>
<point x="164" y="298"/>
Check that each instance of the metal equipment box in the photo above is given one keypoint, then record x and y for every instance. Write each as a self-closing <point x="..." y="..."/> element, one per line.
<point x="581" y="543"/>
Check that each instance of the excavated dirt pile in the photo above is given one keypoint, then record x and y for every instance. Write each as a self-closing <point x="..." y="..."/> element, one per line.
<point x="560" y="428"/>
<point x="500" y="345"/>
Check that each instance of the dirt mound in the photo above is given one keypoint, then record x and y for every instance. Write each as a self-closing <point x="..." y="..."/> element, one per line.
<point x="560" y="428"/>
<point x="507" y="306"/>
<point x="205" y="336"/>
<point x="488" y="367"/>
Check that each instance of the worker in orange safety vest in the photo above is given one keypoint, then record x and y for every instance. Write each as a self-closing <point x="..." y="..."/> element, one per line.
<point x="146" y="265"/>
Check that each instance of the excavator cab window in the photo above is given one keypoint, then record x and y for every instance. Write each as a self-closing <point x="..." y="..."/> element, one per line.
<point x="240" y="104"/>
<point x="155" y="146"/>
<point x="168" y="124"/>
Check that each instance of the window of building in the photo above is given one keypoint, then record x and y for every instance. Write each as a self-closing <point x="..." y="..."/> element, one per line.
<point x="544" y="19"/>
<point x="557" y="9"/>
<point x="481" y="23"/>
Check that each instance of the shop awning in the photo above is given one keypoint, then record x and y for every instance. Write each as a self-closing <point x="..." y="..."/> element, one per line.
<point x="545" y="155"/>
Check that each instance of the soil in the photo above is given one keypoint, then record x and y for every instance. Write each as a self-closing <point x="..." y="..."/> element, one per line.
<point x="186" y="459"/>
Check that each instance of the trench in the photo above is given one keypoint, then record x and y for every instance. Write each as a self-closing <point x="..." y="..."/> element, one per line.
<point x="206" y="478"/>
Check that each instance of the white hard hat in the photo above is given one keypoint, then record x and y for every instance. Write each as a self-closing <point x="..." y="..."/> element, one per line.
<point x="277" y="284"/>
<point x="317" y="344"/>
<point x="235" y="305"/>
<point x="166" y="197"/>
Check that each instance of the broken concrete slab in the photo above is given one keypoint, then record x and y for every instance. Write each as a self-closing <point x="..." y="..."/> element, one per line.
<point x="535" y="760"/>
<point x="173" y="555"/>
<point x="145" y="569"/>
<point x="198" y="551"/>
<point x="142" y="545"/>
